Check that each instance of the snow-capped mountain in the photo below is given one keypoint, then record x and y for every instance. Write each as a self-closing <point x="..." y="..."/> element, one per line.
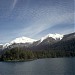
<point x="52" y="43"/>
<point x="50" y="38"/>
<point x="6" y="45"/>
<point x="54" y="36"/>
<point x="20" y="40"/>
<point x="25" y="40"/>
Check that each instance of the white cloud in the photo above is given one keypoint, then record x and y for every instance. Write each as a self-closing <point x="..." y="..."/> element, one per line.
<point x="41" y="19"/>
<point x="46" y="22"/>
<point x="14" y="3"/>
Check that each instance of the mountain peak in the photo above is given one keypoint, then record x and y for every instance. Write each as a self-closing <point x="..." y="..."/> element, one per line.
<point x="20" y="40"/>
<point x="54" y="36"/>
<point x="23" y="40"/>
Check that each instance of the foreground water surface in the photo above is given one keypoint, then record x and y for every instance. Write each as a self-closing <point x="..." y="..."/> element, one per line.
<point x="48" y="66"/>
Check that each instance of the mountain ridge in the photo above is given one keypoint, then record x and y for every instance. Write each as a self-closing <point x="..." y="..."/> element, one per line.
<point x="29" y="40"/>
<point x="48" y="39"/>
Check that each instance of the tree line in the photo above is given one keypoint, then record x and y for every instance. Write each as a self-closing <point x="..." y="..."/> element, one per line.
<point x="21" y="55"/>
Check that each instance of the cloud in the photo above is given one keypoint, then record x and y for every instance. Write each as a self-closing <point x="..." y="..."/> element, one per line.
<point x="14" y="3"/>
<point x="46" y="22"/>
<point x="40" y="19"/>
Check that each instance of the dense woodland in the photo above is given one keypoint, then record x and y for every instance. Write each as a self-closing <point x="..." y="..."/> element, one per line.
<point x="21" y="55"/>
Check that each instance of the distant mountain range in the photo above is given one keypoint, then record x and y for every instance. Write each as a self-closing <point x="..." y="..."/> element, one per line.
<point x="26" y="40"/>
<point x="50" y="41"/>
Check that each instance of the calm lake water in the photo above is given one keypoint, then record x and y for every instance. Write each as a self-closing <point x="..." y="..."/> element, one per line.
<point x="50" y="66"/>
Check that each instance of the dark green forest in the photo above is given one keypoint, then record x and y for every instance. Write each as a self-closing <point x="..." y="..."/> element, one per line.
<point x="17" y="54"/>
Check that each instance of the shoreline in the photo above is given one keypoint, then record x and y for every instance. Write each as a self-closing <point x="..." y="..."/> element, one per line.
<point x="30" y="59"/>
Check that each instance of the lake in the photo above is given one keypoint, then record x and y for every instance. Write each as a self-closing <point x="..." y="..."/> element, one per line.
<point x="48" y="66"/>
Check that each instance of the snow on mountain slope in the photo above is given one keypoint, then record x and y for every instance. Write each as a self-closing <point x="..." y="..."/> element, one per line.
<point x="23" y="40"/>
<point x="6" y="45"/>
<point x="20" y="40"/>
<point x="54" y="36"/>
<point x="29" y="40"/>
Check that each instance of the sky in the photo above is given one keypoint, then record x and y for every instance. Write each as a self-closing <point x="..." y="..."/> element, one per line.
<point x="35" y="18"/>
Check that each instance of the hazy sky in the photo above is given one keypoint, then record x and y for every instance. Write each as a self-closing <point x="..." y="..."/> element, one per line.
<point x="35" y="18"/>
